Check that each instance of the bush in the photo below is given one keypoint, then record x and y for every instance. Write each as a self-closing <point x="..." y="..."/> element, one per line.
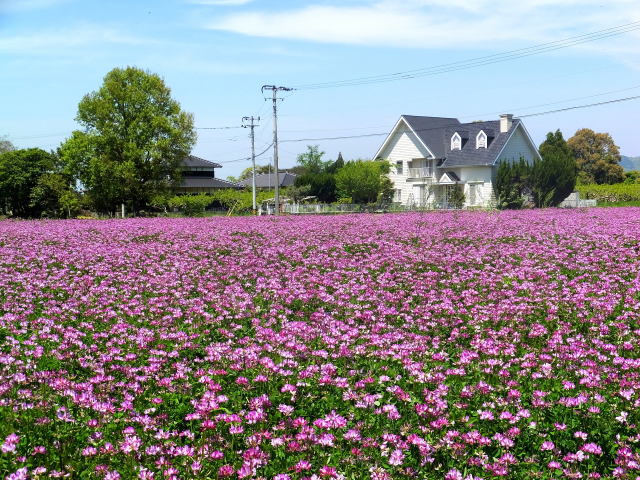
<point x="617" y="192"/>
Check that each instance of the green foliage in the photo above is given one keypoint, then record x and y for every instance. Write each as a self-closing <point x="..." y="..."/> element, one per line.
<point x="134" y="140"/>
<point x="20" y="172"/>
<point x="457" y="197"/>
<point x="632" y="176"/>
<point x="240" y="201"/>
<point x="320" y="185"/>
<point x="297" y="193"/>
<point x="512" y="183"/>
<point x="553" y="177"/>
<point x="597" y="157"/>
<point x="616" y="193"/>
<point x="318" y="175"/>
<point x="191" y="205"/>
<point x="311" y="161"/>
<point x="53" y="196"/>
<point x="363" y="181"/>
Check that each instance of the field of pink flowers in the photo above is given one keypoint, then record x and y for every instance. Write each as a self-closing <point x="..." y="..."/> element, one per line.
<point x="461" y="345"/>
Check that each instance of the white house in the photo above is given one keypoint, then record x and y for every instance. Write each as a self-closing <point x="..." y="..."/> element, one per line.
<point x="430" y="155"/>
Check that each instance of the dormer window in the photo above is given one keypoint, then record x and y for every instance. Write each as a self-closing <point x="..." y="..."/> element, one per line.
<point x="481" y="140"/>
<point x="456" y="141"/>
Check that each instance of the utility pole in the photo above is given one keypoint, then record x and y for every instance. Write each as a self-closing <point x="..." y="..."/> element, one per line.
<point x="275" y="99"/>
<point x="252" y="125"/>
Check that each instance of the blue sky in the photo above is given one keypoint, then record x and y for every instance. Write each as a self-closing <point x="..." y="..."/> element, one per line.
<point x="215" y="55"/>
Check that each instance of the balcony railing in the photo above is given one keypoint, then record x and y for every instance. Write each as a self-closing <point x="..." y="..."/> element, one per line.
<point x="422" y="172"/>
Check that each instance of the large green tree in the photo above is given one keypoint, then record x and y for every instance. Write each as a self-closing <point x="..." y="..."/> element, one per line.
<point x="553" y="177"/>
<point x="20" y="173"/>
<point x="134" y="140"/>
<point x="317" y="174"/>
<point x="597" y="157"/>
<point x="364" y="181"/>
<point x="512" y="183"/>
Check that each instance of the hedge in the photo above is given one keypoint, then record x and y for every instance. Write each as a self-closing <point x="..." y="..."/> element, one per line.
<point x="618" y="192"/>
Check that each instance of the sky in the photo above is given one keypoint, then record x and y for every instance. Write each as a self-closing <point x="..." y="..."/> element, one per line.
<point x="216" y="54"/>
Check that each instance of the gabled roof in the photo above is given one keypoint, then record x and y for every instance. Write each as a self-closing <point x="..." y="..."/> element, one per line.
<point x="469" y="154"/>
<point x="266" y="180"/>
<point x="196" y="162"/>
<point x="429" y="130"/>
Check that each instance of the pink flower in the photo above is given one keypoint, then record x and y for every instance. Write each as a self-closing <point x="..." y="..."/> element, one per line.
<point x="396" y="458"/>
<point x="10" y="443"/>
<point x="592" y="448"/>
<point x="547" y="445"/>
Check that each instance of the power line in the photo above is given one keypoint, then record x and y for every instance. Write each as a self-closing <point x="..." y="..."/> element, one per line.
<point x="218" y="128"/>
<point x="244" y="159"/>
<point x="344" y="137"/>
<point x="617" y="100"/>
<point x="479" y="61"/>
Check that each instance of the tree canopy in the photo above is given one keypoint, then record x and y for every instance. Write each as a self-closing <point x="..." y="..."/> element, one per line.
<point x="20" y="171"/>
<point x="134" y="141"/>
<point x="597" y="157"/>
<point x="364" y="181"/>
<point x="317" y="174"/>
<point x="553" y="177"/>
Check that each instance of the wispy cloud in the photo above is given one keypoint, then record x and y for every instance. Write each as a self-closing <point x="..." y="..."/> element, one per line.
<point x="41" y="42"/>
<point x="433" y="23"/>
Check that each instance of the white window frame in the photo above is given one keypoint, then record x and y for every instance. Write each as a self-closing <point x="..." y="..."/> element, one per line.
<point x="456" y="141"/>
<point x="399" y="167"/>
<point x="481" y="140"/>
<point x="397" y="194"/>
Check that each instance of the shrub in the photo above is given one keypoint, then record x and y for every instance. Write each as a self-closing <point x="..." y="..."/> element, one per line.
<point x="618" y="192"/>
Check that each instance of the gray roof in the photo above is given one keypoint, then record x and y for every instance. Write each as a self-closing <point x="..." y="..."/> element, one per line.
<point x="207" y="182"/>
<point x="266" y="180"/>
<point x="196" y="162"/>
<point x="430" y="130"/>
<point x="436" y="133"/>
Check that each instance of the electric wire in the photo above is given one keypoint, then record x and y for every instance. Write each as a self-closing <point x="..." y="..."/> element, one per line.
<point x="478" y="61"/>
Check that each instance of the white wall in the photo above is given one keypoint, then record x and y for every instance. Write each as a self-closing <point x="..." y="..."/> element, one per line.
<point x="518" y="146"/>
<point x="403" y="146"/>
<point x="480" y="176"/>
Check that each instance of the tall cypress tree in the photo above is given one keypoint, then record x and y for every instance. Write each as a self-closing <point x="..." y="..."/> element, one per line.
<point x="553" y="177"/>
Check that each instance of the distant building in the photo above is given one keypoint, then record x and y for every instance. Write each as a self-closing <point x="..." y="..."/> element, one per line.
<point x="430" y="156"/>
<point x="268" y="180"/>
<point x="199" y="176"/>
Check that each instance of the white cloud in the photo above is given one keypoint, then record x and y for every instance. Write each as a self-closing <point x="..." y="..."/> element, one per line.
<point x="434" y="23"/>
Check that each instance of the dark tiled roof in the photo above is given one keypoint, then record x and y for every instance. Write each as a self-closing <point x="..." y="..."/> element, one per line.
<point x="430" y="131"/>
<point x="207" y="182"/>
<point x="266" y="180"/>
<point x="436" y="133"/>
<point x="196" y="162"/>
<point x="469" y="154"/>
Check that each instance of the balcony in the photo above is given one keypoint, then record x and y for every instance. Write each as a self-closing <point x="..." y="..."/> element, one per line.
<point x="422" y="172"/>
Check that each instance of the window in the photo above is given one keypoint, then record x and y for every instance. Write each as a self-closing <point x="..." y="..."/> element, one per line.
<point x="399" y="167"/>
<point x="481" y="140"/>
<point x="456" y="141"/>
<point x="397" y="195"/>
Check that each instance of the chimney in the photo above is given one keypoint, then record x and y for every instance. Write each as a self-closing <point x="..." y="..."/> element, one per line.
<point x="506" y="120"/>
